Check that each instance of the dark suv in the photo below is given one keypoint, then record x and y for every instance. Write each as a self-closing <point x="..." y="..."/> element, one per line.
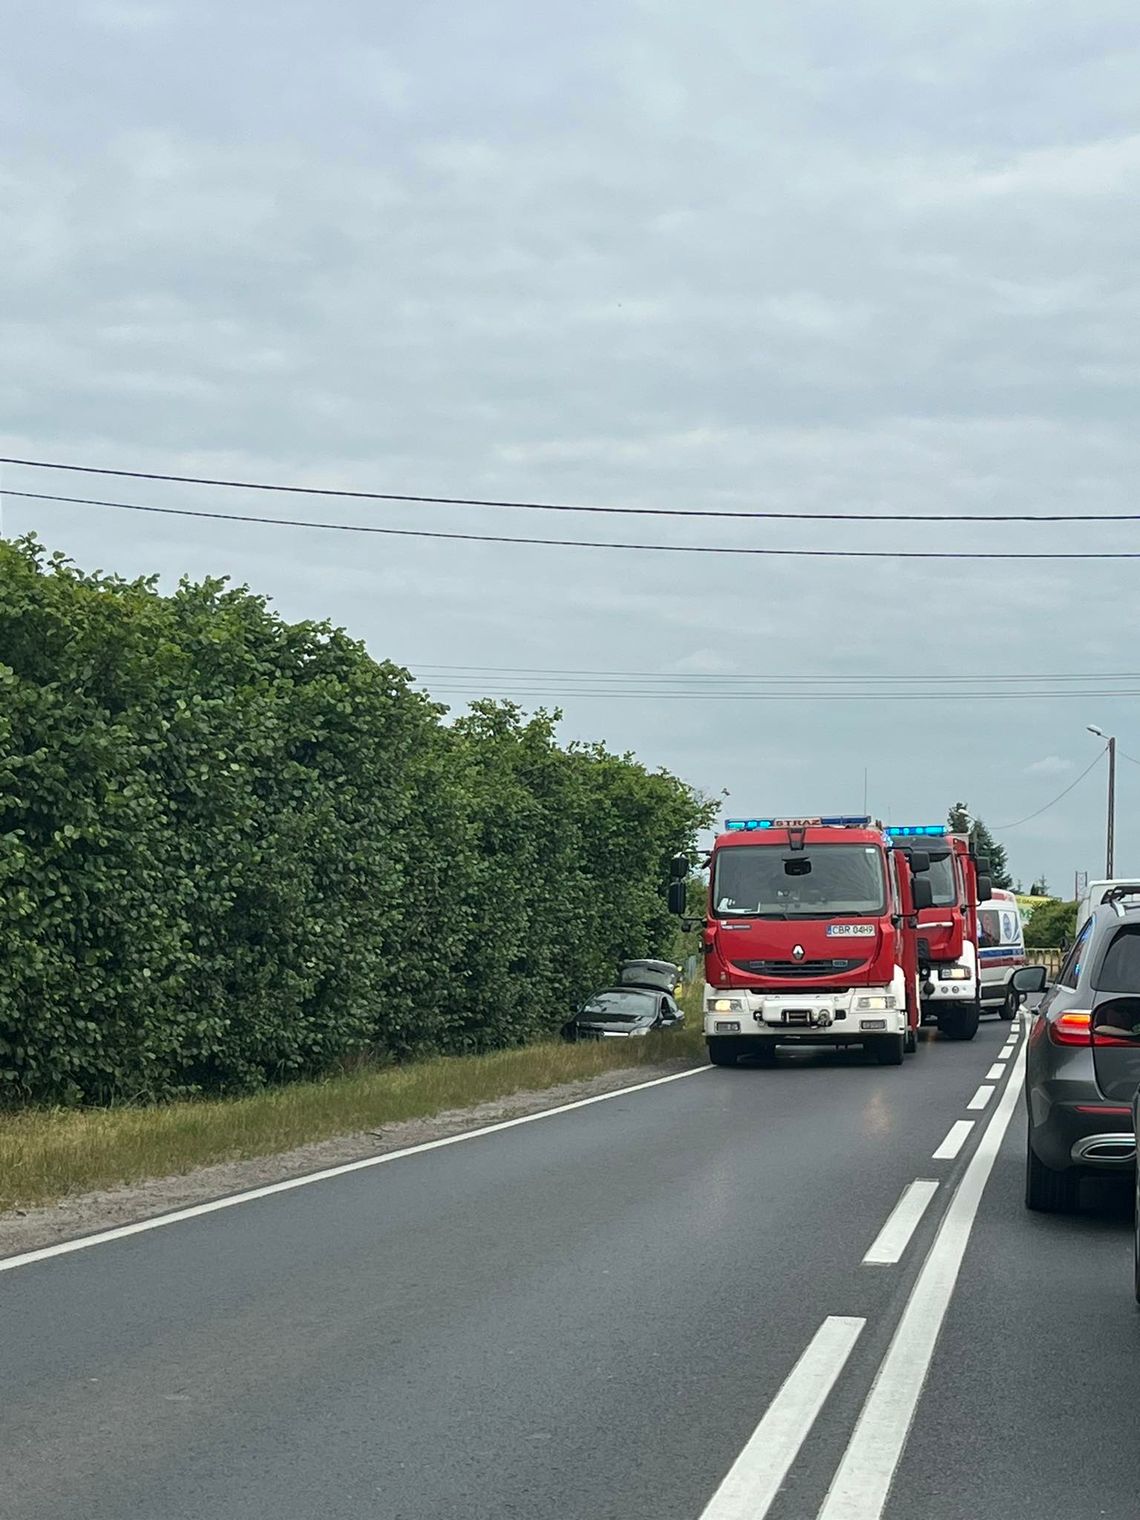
<point x="1083" y="1059"/>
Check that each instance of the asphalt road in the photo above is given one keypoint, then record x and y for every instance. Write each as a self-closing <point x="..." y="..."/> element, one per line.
<point x="590" y="1315"/>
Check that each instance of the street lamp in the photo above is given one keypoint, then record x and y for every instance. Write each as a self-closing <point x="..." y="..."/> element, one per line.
<point x="1110" y="832"/>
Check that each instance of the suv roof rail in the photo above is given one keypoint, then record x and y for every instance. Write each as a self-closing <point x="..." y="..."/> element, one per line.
<point x="1116" y="895"/>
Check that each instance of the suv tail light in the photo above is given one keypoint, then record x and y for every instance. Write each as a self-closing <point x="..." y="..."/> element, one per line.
<point x="1071" y="1028"/>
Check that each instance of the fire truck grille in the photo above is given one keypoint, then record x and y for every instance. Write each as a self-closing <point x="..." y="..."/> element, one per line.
<point x="784" y="969"/>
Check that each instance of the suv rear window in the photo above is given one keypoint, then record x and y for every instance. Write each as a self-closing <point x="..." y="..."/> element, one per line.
<point x="1119" y="971"/>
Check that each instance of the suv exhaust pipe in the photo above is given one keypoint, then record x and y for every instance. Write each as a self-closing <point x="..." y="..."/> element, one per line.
<point x="1108" y="1149"/>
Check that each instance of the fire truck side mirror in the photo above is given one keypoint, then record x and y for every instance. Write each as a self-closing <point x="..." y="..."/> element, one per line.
<point x="679" y="867"/>
<point x="985" y="888"/>
<point x="919" y="862"/>
<point x="678" y="897"/>
<point x="923" y="895"/>
<point x="982" y="865"/>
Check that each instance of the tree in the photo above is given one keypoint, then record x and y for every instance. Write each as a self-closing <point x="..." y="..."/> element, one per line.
<point x="1050" y="925"/>
<point x="1040" y="887"/>
<point x="962" y="821"/>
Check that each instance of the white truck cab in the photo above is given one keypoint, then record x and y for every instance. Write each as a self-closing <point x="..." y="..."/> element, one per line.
<point x="1095" y="894"/>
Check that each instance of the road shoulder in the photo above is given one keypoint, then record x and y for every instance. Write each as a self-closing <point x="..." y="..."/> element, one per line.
<point x="85" y="1213"/>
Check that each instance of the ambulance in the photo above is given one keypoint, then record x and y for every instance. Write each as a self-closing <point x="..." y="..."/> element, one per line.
<point x="1001" y="950"/>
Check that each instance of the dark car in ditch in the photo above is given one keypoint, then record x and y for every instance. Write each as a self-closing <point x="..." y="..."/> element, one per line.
<point x="643" y="1000"/>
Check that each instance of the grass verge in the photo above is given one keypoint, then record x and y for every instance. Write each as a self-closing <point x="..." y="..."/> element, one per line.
<point x="47" y="1154"/>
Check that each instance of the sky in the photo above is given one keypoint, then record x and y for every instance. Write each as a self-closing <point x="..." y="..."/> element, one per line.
<point x="829" y="256"/>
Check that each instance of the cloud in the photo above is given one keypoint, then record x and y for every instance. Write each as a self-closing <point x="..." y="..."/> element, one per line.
<point x="1110" y="166"/>
<point x="705" y="662"/>
<point x="128" y="15"/>
<point x="1049" y="765"/>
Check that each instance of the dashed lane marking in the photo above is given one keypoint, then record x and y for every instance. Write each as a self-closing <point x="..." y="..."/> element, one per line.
<point x="893" y="1239"/>
<point x="956" y="1137"/>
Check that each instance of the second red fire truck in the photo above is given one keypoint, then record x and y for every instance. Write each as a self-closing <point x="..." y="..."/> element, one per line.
<point x="947" y="937"/>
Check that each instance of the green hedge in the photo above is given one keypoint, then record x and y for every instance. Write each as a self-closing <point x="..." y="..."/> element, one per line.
<point x="235" y="850"/>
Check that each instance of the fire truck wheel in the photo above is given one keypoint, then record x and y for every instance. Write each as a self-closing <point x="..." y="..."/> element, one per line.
<point x="960" y="1021"/>
<point x="911" y="1041"/>
<point x="889" y="1049"/>
<point x="723" y="1052"/>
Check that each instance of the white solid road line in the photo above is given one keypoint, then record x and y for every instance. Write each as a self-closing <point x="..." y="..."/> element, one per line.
<point x="860" y="1487"/>
<point x="956" y="1138"/>
<point x="122" y="1231"/>
<point x="980" y="1098"/>
<point x="893" y="1239"/>
<point x="754" y="1479"/>
<point x="996" y="1072"/>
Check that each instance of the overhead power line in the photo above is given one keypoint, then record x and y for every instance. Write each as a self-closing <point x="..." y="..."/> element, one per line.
<point x="551" y="506"/>
<point x="696" y="675"/>
<point x="1003" y="828"/>
<point x="558" y="684"/>
<point x="687" y="694"/>
<point x="579" y="543"/>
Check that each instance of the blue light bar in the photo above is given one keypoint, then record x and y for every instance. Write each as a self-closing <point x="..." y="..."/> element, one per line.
<point x="832" y="821"/>
<point x="901" y="831"/>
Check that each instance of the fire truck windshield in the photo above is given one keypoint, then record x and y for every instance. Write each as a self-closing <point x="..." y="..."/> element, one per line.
<point x="941" y="879"/>
<point x="765" y="881"/>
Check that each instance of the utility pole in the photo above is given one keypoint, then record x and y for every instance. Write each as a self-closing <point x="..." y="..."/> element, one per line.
<point x="1110" y="829"/>
<point x="1110" y="832"/>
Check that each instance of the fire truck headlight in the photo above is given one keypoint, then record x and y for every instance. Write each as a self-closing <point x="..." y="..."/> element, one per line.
<point x="953" y="974"/>
<point x="876" y="1003"/>
<point x="726" y="1005"/>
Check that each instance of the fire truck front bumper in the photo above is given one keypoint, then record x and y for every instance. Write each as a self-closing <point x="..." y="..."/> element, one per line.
<point x="948" y="984"/>
<point x="846" y="1017"/>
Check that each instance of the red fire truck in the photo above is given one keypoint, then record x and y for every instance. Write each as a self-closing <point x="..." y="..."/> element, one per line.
<point x="810" y="937"/>
<point x="948" y="966"/>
